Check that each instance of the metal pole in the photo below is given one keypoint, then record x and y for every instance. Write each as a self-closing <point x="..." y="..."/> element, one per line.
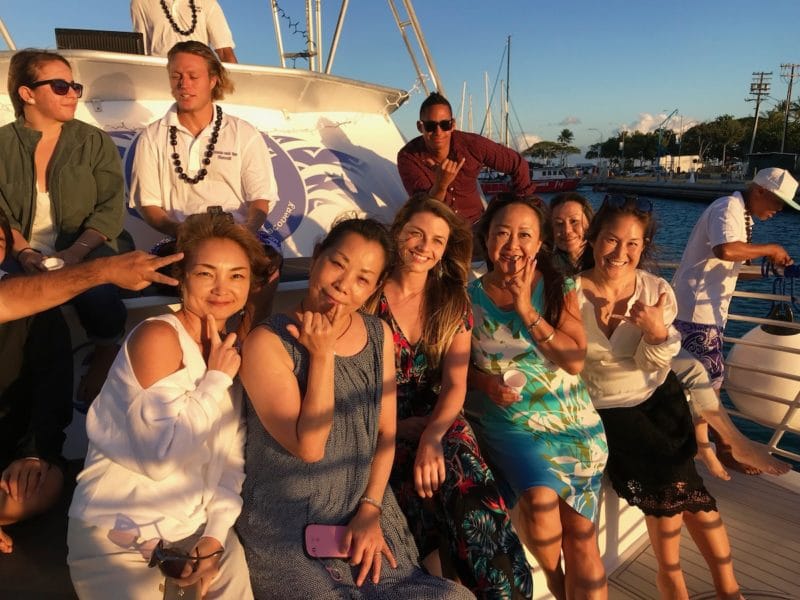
<point x="508" y="89"/>
<point x="402" y="26"/>
<point x="310" y="33"/>
<point x="336" y="34"/>
<point x="278" y="39"/>
<point x="463" y="98"/>
<point x="488" y="108"/>
<point x="319" y="36"/>
<point x="7" y="36"/>
<point x="424" y="47"/>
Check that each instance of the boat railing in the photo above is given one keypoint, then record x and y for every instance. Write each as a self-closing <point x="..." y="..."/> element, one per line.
<point x="792" y="405"/>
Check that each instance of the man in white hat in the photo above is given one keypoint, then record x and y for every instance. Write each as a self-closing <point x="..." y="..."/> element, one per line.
<point x="720" y="242"/>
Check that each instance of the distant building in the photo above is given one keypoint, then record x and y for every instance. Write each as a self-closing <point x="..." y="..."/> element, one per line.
<point x="680" y="164"/>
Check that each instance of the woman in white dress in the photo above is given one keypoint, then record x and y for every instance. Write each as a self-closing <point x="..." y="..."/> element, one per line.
<point x="165" y="463"/>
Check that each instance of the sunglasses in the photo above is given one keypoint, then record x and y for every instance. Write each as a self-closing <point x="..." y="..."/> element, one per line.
<point x="60" y="87"/>
<point x="628" y="201"/>
<point x="444" y="125"/>
<point x="171" y="561"/>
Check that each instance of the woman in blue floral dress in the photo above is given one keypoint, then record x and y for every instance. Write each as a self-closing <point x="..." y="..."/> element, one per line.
<point x="546" y="441"/>
<point x="441" y="481"/>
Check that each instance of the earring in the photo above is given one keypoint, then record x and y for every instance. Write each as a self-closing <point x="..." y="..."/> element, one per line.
<point x="439" y="270"/>
<point x="31" y="101"/>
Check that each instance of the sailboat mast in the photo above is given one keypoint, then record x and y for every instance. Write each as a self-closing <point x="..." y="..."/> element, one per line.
<point x="488" y="108"/>
<point x="508" y="98"/>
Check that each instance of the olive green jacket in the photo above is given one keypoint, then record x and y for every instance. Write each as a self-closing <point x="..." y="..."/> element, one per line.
<point x="84" y="178"/>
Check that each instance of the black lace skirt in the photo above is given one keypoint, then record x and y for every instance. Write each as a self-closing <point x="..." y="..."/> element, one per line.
<point x="651" y="450"/>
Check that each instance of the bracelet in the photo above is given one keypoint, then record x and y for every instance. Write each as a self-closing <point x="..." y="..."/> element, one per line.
<point x="535" y="323"/>
<point x="372" y="501"/>
<point x="549" y="337"/>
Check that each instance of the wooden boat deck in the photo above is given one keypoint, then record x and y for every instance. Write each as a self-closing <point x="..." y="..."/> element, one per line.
<point x="763" y="524"/>
<point x="762" y="518"/>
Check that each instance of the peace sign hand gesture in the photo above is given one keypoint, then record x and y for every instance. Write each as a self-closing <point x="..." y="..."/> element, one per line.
<point x="223" y="355"/>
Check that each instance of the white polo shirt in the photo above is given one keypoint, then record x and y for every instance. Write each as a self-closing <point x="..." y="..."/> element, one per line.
<point x="159" y="37"/>
<point x="240" y="169"/>
<point x="703" y="283"/>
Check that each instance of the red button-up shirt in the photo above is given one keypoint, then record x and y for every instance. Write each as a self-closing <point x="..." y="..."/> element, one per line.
<point x="463" y="194"/>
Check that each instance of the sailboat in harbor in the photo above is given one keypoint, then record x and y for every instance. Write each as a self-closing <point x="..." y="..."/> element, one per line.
<point x="546" y="178"/>
<point x="333" y="144"/>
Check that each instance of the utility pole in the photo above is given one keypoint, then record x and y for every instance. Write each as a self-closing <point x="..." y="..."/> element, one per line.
<point x="758" y="87"/>
<point x="788" y="72"/>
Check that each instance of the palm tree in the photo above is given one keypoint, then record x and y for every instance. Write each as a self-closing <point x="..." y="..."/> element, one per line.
<point x="565" y="137"/>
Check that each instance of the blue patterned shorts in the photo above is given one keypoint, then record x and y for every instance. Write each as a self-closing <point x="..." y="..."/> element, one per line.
<point x="704" y="342"/>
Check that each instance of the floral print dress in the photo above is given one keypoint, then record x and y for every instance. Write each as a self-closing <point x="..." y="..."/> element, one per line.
<point x="552" y="437"/>
<point x="467" y="515"/>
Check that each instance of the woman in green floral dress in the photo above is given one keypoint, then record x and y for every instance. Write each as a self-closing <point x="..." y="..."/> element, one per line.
<point x="546" y="442"/>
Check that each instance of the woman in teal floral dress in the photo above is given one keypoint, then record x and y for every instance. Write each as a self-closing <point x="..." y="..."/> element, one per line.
<point x="546" y="441"/>
<point x="443" y="485"/>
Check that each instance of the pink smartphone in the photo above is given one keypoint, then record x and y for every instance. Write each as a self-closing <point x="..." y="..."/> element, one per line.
<point x="325" y="541"/>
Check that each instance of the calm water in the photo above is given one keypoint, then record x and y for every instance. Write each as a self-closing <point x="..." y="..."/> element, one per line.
<point x="675" y="221"/>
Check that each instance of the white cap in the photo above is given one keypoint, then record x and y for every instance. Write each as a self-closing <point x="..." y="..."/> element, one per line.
<point x="780" y="182"/>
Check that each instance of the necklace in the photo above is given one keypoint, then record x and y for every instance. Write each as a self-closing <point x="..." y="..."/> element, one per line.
<point x="748" y="226"/>
<point x="175" y="27"/>
<point x="176" y="158"/>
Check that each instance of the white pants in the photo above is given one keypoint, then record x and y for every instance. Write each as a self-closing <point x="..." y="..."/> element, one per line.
<point x="101" y="569"/>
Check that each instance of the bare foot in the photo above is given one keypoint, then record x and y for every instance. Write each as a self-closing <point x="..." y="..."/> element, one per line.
<point x="726" y="457"/>
<point x="6" y="544"/>
<point x="705" y="452"/>
<point x="758" y="457"/>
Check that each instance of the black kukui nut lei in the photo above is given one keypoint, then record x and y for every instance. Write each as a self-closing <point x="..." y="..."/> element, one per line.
<point x="176" y="158"/>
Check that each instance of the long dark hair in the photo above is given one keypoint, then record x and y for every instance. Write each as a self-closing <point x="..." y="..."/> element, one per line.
<point x="553" y="279"/>
<point x="615" y="205"/>
<point x="369" y="229"/>
<point x="445" y="301"/>
<point x="586" y="260"/>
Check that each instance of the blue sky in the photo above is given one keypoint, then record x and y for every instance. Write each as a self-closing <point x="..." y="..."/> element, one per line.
<point x="592" y="66"/>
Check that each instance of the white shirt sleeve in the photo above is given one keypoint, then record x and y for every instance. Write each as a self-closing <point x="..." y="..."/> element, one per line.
<point x="219" y="34"/>
<point x="725" y="223"/>
<point x="158" y="429"/>
<point x="653" y="357"/>
<point x="146" y="186"/>
<point x="226" y="504"/>
<point x="258" y="179"/>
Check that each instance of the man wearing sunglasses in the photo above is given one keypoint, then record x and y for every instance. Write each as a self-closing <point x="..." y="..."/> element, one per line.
<point x="704" y="282"/>
<point x="164" y="23"/>
<point x="445" y="163"/>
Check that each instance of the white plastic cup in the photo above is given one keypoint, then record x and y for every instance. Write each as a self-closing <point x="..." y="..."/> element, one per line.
<point x="515" y="379"/>
<point x="52" y="263"/>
